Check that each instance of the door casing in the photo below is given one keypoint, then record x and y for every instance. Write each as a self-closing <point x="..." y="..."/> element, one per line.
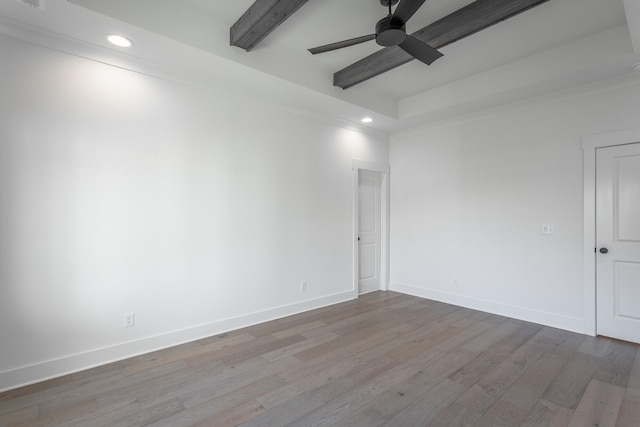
<point x="369" y="209"/>
<point x="617" y="217"/>
<point x="384" y="222"/>
<point x="589" y="145"/>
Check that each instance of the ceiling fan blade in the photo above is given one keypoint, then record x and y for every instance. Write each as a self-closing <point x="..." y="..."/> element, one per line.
<point x="406" y="9"/>
<point x="340" y="45"/>
<point x="420" y="50"/>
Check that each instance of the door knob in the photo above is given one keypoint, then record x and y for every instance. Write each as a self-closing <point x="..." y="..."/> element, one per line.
<point x="604" y="250"/>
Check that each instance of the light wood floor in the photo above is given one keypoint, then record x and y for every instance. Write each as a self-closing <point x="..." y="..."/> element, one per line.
<point x="386" y="359"/>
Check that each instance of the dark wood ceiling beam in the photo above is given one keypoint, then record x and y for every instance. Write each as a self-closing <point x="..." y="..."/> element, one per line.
<point x="464" y="22"/>
<point x="260" y="19"/>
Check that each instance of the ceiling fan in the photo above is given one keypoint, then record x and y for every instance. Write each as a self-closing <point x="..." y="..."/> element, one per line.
<point x="391" y="31"/>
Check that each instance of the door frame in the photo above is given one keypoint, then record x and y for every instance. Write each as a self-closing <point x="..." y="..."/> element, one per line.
<point x="359" y="165"/>
<point x="589" y="145"/>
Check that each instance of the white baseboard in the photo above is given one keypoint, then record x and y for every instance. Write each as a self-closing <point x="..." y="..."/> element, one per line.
<point x="43" y="371"/>
<point x="573" y="324"/>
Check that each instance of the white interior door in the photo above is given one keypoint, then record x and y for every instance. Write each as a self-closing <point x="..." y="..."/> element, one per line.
<point x="618" y="240"/>
<point x="368" y="231"/>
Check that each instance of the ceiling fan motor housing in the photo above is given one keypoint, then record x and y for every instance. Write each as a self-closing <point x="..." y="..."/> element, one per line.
<point x="390" y="32"/>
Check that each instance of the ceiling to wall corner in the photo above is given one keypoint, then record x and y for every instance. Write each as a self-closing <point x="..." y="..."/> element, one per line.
<point x="557" y="45"/>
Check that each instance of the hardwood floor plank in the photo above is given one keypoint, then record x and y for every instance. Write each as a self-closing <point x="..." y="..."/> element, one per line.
<point x="492" y="336"/>
<point x="306" y="383"/>
<point x="319" y="371"/>
<point x="519" y="399"/>
<point x="492" y="357"/>
<point x="527" y="390"/>
<point x="231" y="380"/>
<point x="353" y="343"/>
<point x="367" y="418"/>
<point x="599" y="406"/>
<point x="338" y="313"/>
<point x="428" y="405"/>
<point x="455" y="415"/>
<point x="359" y="374"/>
<point x="394" y="400"/>
<point x="234" y="416"/>
<point x="150" y="415"/>
<point x="629" y="412"/>
<point x="502" y="414"/>
<point x="299" y="330"/>
<point x="287" y="411"/>
<point x="63" y="416"/>
<point x="104" y="371"/>
<point x="255" y="348"/>
<point x="437" y="315"/>
<point x="313" y="374"/>
<point x="238" y="396"/>
<point x="476" y="316"/>
<point x="402" y="311"/>
<point x="567" y="389"/>
<point x="486" y="392"/>
<point x="440" y="336"/>
<point x="634" y="376"/>
<point x="18" y="416"/>
<point x="383" y="359"/>
<point x="108" y="416"/>
<point x="136" y="385"/>
<point x="200" y="408"/>
<point x="158" y="390"/>
<point x="105" y="389"/>
<point x="495" y="319"/>
<point x="300" y="346"/>
<point x="42" y="394"/>
<point x="263" y="329"/>
<point x="563" y="343"/>
<point x="548" y="414"/>
<point x="616" y="364"/>
<point x="162" y="358"/>
<point x="595" y="346"/>
<point x="331" y="413"/>
<point x="33" y="389"/>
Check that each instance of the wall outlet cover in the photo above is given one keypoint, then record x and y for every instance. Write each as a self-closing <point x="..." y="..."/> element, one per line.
<point x="547" y="229"/>
<point x="129" y="320"/>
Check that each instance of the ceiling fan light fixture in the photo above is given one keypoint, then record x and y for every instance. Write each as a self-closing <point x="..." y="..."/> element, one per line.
<point x="390" y="32"/>
<point x="118" y="40"/>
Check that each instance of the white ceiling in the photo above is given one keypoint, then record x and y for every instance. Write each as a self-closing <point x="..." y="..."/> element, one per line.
<point x="557" y="45"/>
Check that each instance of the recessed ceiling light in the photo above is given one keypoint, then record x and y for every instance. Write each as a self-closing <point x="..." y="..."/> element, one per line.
<point x="119" y="40"/>
<point x="367" y="120"/>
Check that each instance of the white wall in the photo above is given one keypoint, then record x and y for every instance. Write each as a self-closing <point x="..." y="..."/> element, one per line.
<point x="469" y="198"/>
<point x="121" y="192"/>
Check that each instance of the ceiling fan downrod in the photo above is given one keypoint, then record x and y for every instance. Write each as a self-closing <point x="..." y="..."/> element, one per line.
<point x="389" y="3"/>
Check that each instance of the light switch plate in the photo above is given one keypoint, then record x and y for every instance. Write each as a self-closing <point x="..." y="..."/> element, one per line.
<point x="547" y="229"/>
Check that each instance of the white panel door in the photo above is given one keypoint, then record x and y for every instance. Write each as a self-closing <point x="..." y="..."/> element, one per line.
<point x="368" y="231"/>
<point x="618" y="240"/>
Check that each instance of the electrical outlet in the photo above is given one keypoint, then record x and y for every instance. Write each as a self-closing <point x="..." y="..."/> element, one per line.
<point x="303" y="286"/>
<point x="547" y="229"/>
<point x="129" y="320"/>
